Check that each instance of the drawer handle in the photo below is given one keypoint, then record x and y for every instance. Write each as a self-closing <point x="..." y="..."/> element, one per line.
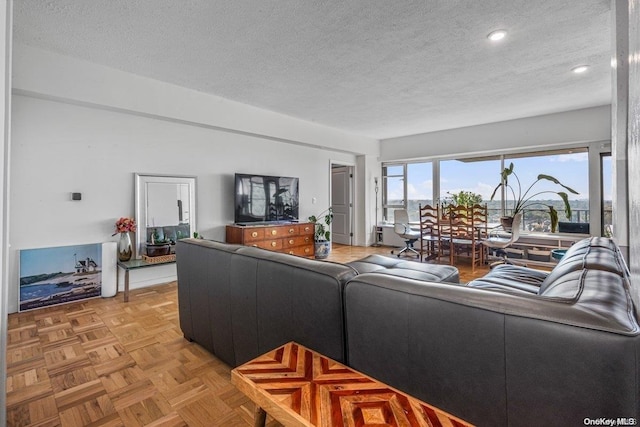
<point x="291" y="230"/>
<point x="254" y="234"/>
<point x="274" y="232"/>
<point x="306" y="240"/>
<point x="307" y="228"/>
<point x="307" y="250"/>
<point x="274" y="244"/>
<point x="291" y="241"/>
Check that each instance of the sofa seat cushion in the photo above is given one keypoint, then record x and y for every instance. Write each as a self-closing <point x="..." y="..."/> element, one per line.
<point x="507" y="277"/>
<point x="408" y="269"/>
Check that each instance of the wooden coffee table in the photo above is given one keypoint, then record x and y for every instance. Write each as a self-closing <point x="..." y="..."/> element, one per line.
<point x="300" y="387"/>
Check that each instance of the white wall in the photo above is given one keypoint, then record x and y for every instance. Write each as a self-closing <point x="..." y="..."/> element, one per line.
<point x="82" y="127"/>
<point x="60" y="148"/>
<point x="632" y="157"/>
<point x="578" y="126"/>
<point x="369" y="167"/>
<point x="46" y="74"/>
<point x="5" y="89"/>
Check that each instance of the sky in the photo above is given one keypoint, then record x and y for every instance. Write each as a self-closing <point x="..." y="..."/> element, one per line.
<point x="482" y="177"/>
<point x="59" y="259"/>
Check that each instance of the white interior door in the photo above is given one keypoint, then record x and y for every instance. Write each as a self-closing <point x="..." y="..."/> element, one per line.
<point x="341" y="202"/>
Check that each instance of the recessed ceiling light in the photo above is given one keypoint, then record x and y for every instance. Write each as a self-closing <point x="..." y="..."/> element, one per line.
<point x="496" y="35"/>
<point x="580" y="69"/>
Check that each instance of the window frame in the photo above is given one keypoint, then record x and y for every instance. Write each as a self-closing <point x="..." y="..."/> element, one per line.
<point x="504" y="157"/>
<point x="603" y="225"/>
<point x="385" y="183"/>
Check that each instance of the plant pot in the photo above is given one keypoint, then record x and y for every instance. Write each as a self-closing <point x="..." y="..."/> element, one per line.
<point x="322" y="249"/>
<point x="158" y="249"/>
<point x="506" y="222"/>
<point x="557" y="254"/>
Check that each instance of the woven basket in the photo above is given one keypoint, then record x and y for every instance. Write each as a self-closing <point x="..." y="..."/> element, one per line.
<point x="161" y="258"/>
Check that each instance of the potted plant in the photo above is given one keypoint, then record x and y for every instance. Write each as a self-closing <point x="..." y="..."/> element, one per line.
<point x="464" y="198"/>
<point x="524" y="200"/>
<point x="158" y="246"/>
<point x="322" y="233"/>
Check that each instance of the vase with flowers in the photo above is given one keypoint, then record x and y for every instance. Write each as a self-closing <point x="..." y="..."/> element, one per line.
<point x="123" y="227"/>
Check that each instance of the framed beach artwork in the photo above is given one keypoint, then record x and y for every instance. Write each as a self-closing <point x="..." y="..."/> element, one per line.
<point x="50" y="276"/>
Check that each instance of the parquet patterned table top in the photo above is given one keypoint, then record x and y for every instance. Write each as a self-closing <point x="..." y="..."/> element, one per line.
<point x="300" y="387"/>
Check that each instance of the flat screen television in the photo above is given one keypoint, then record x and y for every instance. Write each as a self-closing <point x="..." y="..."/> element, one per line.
<point x="265" y="199"/>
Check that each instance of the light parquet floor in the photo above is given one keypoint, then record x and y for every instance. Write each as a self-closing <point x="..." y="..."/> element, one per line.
<point x="103" y="362"/>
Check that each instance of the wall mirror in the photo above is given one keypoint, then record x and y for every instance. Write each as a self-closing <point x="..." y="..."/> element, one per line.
<point x="165" y="210"/>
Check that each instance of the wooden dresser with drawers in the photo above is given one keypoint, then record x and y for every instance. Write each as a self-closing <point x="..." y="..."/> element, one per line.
<point x="294" y="239"/>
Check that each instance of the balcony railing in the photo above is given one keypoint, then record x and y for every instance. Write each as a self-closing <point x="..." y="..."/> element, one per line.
<point x="538" y="219"/>
<point x="533" y="219"/>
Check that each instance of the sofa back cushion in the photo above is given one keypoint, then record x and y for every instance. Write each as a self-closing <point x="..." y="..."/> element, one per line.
<point x="279" y="298"/>
<point x="595" y="253"/>
<point x="402" y="332"/>
<point x="203" y="296"/>
<point x="239" y="302"/>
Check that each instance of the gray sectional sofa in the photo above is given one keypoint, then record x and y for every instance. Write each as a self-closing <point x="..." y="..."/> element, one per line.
<point x="239" y="301"/>
<point x="515" y="348"/>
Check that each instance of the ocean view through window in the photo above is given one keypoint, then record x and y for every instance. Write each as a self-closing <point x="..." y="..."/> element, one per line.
<point x="408" y="185"/>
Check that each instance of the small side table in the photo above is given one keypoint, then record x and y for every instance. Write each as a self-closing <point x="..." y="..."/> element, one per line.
<point x="134" y="264"/>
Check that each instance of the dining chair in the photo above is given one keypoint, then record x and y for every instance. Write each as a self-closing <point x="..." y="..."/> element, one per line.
<point x="464" y="234"/>
<point x="498" y="239"/>
<point x="459" y="231"/>
<point x="430" y="239"/>
<point x="479" y="219"/>
<point x="445" y="232"/>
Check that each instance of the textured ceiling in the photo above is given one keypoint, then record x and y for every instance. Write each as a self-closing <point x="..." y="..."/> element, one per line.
<point x="380" y="68"/>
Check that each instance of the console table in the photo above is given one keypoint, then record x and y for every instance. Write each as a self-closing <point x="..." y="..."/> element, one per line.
<point x="300" y="387"/>
<point x="294" y="238"/>
<point x="135" y="264"/>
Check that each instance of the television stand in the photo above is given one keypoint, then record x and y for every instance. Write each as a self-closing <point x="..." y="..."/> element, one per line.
<point x="290" y="238"/>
